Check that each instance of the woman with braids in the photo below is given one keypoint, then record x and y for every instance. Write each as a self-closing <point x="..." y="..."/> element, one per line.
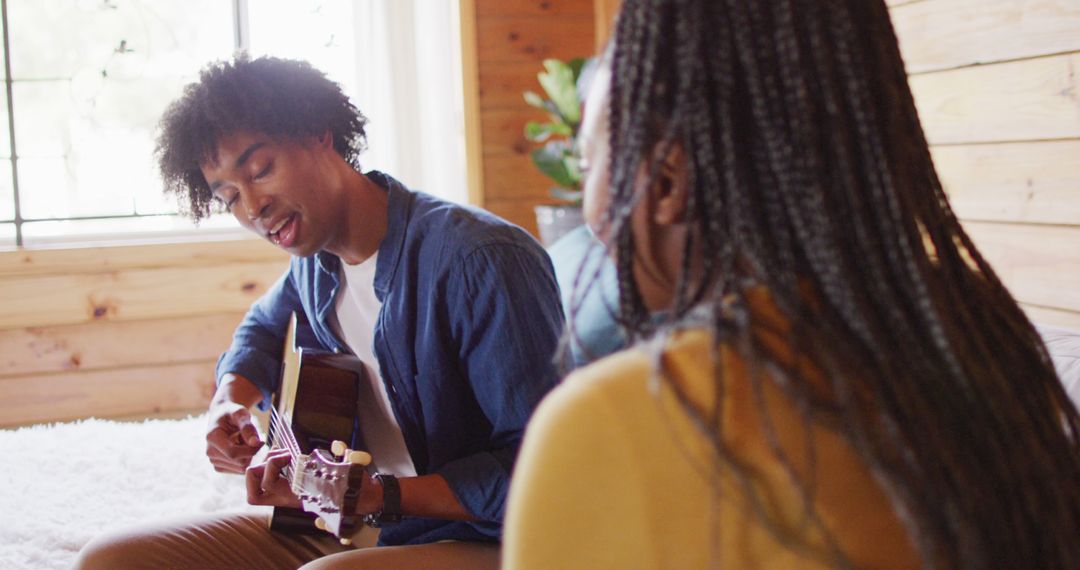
<point x="827" y="372"/>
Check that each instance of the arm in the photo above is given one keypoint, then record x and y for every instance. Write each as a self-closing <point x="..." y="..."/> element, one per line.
<point x="247" y="374"/>
<point x="231" y="437"/>
<point x="255" y="353"/>
<point x="506" y="317"/>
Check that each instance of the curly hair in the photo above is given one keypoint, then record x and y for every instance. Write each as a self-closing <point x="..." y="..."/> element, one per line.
<point x="277" y="97"/>
<point x="807" y="163"/>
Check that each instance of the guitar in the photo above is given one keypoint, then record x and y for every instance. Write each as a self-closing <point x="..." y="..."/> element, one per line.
<point x="314" y="417"/>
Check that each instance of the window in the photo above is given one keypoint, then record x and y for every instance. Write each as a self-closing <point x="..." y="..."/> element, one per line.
<point x="87" y="80"/>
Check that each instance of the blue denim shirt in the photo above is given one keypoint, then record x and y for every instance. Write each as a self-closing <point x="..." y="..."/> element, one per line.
<point x="469" y="324"/>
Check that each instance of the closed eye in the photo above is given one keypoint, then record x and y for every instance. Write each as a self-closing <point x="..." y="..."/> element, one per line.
<point x="264" y="171"/>
<point x="227" y="201"/>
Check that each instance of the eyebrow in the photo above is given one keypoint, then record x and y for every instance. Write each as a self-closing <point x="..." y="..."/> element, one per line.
<point x="240" y="160"/>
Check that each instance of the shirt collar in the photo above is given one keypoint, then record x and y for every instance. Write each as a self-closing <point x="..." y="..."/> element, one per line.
<point x="399" y="202"/>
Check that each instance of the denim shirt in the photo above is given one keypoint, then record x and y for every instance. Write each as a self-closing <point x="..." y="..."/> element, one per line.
<point x="469" y="324"/>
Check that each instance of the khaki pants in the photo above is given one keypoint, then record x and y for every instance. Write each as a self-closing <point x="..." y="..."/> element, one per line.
<point x="241" y="541"/>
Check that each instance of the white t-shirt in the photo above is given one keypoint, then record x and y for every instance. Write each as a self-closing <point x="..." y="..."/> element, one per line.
<point x="356" y="310"/>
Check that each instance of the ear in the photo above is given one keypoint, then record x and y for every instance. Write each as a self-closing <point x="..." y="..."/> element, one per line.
<point x="326" y="139"/>
<point x="669" y="192"/>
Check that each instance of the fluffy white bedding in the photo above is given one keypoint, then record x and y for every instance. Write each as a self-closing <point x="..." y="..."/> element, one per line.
<point x="62" y="484"/>
<point x="1064" y="348"/>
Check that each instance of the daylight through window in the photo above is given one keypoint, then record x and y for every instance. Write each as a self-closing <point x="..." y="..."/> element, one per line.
<point x="86" y="81"/>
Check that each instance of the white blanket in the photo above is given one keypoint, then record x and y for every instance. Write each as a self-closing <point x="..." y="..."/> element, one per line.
<point x="62" y="484"/>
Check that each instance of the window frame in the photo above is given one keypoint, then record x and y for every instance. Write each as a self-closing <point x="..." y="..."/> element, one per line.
<point x="241" y="41"/>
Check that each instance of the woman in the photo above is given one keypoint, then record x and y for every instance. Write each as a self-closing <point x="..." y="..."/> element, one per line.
<point x="829" y="372"/>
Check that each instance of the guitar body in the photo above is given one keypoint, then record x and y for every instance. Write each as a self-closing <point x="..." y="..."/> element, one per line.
<point x="317" y="399"/>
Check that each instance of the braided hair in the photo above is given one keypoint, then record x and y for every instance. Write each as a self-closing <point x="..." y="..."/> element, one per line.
<point x="807" y="167"/>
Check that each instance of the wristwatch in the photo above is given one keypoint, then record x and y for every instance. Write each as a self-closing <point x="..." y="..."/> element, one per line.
<point x="390" y="513"/>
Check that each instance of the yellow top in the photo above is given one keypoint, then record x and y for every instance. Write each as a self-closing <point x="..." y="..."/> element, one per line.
<point x="612" y="474"/>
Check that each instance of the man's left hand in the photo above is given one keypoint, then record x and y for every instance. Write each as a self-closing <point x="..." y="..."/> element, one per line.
<point x="265" y="484"/>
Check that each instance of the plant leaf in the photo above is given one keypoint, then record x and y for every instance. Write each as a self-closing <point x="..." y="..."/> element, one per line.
<point x="561" y="129"/>
<point x="550" y="161"/>
<point x="537" y="132"/>
<point x="576" y="65"/>
<point x="535" y="100"/>
<point x="558" y="83"/>
<point x="570" y="162"/>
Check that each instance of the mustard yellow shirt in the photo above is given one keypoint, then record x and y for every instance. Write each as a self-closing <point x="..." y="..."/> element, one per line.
<point x="613" y="474"/>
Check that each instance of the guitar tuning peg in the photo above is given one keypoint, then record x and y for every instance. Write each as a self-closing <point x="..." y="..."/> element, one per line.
<point x="320" y="523"/>
<point x="338" y="448"/>
<point x="346" y="542"/>
<point x="359" y="458"/>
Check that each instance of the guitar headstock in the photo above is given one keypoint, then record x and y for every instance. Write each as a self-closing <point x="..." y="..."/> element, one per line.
<point x="328" y="487"/>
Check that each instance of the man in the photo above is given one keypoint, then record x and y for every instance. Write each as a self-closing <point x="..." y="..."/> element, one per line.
<point x="454" y="312"/>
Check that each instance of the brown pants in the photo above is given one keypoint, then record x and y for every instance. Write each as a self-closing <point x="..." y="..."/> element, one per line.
<point x="241" y="541"/>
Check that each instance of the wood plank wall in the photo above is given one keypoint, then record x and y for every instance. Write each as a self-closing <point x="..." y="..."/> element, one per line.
<point x="998" y="91"/>
<point x="119" y="331"/>
<point x="513" y="37"/>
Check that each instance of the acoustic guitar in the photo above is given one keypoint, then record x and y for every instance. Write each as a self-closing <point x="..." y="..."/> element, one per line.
<point x="314" y="416"/>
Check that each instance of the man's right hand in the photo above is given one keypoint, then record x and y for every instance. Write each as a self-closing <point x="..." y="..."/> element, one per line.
<point x="231" y="436"/>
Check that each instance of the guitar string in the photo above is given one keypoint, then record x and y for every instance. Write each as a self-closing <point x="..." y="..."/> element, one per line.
<point x="282" y="427"/>
<point x="286" y="440"/>
<point x="284" y="432"/>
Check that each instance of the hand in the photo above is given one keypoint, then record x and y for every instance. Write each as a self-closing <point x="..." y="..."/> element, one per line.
<point x="266" y="486"/>
<point x="231" y="437"/>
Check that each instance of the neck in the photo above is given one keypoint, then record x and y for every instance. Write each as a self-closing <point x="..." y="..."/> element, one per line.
<point x="363" y="221"/>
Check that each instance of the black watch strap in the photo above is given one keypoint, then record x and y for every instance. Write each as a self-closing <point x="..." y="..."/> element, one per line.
<point x="390" y="513"/>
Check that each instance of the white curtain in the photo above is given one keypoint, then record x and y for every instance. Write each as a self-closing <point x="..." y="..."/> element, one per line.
<point x="400" y="62"/>
<point x="409" y="86"/>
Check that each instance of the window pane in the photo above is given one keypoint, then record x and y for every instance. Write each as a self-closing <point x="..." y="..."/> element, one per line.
<point x="43" y="118"/>
<point x="319" y="31"/>
<point x="63" y="39"/>
<point x="92" y="78"/>
<point x="7" y="193"/>
<point x="100" y="158"/>
<point x="7" y="235"/>
<point x="45" y="188"/>
<point x="127" y="229"/>
<point x="5" y="135"/>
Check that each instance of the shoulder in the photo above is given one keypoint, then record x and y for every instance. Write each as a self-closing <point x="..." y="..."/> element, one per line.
<point x="622" y="388"/>
<point x="462" y="230"/>
<point x="595" y="394"/>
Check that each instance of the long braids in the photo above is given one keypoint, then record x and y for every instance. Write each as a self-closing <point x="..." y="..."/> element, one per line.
<point x="806" y="163"/>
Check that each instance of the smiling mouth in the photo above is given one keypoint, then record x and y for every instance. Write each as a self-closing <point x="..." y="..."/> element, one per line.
<point x="284" y="233"/>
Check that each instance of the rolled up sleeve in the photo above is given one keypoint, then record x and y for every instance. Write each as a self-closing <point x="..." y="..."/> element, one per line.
<point x="257" y="344"/>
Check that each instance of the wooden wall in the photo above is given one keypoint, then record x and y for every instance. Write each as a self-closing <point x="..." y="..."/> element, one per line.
<point x="512" y="38"/>
<point x="117" y="331"/>
<point x="998" y="91"/>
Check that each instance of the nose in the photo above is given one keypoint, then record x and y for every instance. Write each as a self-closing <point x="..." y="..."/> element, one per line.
<point x="256" y="204"/>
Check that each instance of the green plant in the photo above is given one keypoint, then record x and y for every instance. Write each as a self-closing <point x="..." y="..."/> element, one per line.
<point x="556" y="156"/>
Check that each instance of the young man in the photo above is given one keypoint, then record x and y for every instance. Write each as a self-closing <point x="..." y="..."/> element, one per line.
<point x="455" y="314"/>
